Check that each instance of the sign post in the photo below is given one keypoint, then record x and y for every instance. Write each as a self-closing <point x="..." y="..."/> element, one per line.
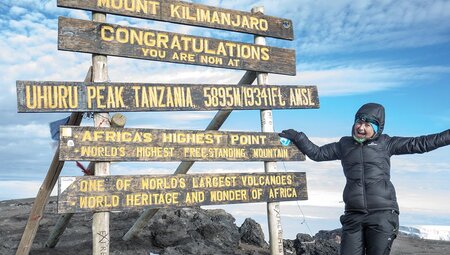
<point x="273" y="208"/>
<point x="100" y="224"/>
<point x="117" y="120"/>
<point x="102" y="144"/>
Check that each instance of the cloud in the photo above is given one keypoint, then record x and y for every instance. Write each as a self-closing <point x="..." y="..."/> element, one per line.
<point x="349" y="26"/>
<point x="430" y="163"/>
<point x="30" y="52"/>
<point x="191" y="116"/>
<point x="343" y="79"/>
<point x="16" y="10"/>
<point x="19" y="189"/>
<point x="28" y="130"/>
<point x="345" y="26"/>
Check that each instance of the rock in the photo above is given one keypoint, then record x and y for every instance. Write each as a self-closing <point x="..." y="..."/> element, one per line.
<point x="306" y="245"/>
<point x="252" y="233"/>
<point x="194" y="231"/>
<point x="174" y="232"/>
<point x="289" y="247"/>
<point x="334" y="235"/>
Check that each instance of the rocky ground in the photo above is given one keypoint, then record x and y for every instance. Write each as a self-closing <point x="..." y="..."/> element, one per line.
<point x="176" y="232"/>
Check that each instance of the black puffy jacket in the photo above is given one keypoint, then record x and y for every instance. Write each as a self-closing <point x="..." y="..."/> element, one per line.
<point x="367" y="165"/>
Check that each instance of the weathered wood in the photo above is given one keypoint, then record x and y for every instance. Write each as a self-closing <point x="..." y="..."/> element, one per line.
<point x="215" y="124"/>
<point x="46" y="188"/>
<point x="117" y="120"/>
<point x="109" y="39"/>
<point x="106" y="193"/>
<point x="58" y="230"/>
<point x="53" y="96"/>
<point x="63" y="222"/>
<point x="273" y="209"/>
<point x="100" y="220"/>
<point x="37" y="210"/>
<point x="139" y="144"/>
<point x="190" y="14"/>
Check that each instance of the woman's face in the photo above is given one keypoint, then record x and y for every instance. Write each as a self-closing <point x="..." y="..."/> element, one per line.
<point x="363" y="130"/>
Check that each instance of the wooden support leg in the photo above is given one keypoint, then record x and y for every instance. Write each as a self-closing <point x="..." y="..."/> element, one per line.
<point x="45" y="190"/>
<point x="43" y="195"/>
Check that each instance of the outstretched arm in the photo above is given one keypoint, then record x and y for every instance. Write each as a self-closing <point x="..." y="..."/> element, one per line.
<point x="329" y="151"/>
<point x="421" y="144"/>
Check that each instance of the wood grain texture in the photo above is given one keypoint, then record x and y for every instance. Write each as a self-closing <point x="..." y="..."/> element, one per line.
<point x="138" y="144"/>
<point x="114" y="40"/>
<point x="53" y="96"/>
<point x="190" y="14"/>
<point x="88" y="193"/>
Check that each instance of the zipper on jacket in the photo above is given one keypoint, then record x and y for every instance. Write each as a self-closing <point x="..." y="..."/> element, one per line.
<point x="363" y="182"/>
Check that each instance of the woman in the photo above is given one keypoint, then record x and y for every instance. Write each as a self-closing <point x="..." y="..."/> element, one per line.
<point x="370" y="223"/>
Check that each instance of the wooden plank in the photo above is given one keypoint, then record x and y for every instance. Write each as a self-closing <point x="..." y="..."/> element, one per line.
<point x="89" y="193"/>
<point x="139" y="144"/>
<point x="190" y="14"/>
<point x="54" y="96"/>
<point x="114" y="40"/>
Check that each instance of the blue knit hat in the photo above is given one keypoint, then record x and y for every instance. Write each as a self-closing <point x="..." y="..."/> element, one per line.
<point x="374" y="126"/>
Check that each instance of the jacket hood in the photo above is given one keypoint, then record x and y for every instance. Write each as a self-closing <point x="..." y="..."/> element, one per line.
<point x="374" y="113"/>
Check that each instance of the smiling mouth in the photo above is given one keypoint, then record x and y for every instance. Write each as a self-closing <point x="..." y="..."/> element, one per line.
<point x="360" y="133"/>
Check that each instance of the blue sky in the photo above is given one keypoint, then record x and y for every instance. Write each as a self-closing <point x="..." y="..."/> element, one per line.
<point x="394" y="52"/>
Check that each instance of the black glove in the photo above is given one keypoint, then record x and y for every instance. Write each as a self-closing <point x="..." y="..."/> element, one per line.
<point x="290" y="134"/>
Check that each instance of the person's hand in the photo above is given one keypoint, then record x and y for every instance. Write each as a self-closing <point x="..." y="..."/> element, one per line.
<point x="290" y="134"/>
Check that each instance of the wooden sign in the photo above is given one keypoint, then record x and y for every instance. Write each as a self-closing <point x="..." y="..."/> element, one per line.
<point x="114" y="40"/>
<point x="139" y="144"/>
<point x="190" y="14"/>
<point x="55" y="96"/>
<point x="115" y="193"/>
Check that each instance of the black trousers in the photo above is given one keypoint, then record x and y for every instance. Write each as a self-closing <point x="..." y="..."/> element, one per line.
<point x="368" y="233"/>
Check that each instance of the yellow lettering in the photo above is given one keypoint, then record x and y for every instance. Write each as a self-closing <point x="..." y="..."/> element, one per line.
<point x="51" y="97"/>
<point x="174" y="11"/>
<point x="92" y="185"/>
<point x="247" y="139"/>
<point x="154" y="152"/>
<point x="270" y="153"/>
<point x="228" y="195"/>
<point x="106" y="33"/>
<point x="103" y="3"/>
<point x="95" y="202"/>
<point x="265" y="54"/>
<point x="288" y="192"/>
<point x="195" y="197"/>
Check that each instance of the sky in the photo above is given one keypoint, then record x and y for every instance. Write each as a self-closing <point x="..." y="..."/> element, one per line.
<point x="393" y="52"/>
